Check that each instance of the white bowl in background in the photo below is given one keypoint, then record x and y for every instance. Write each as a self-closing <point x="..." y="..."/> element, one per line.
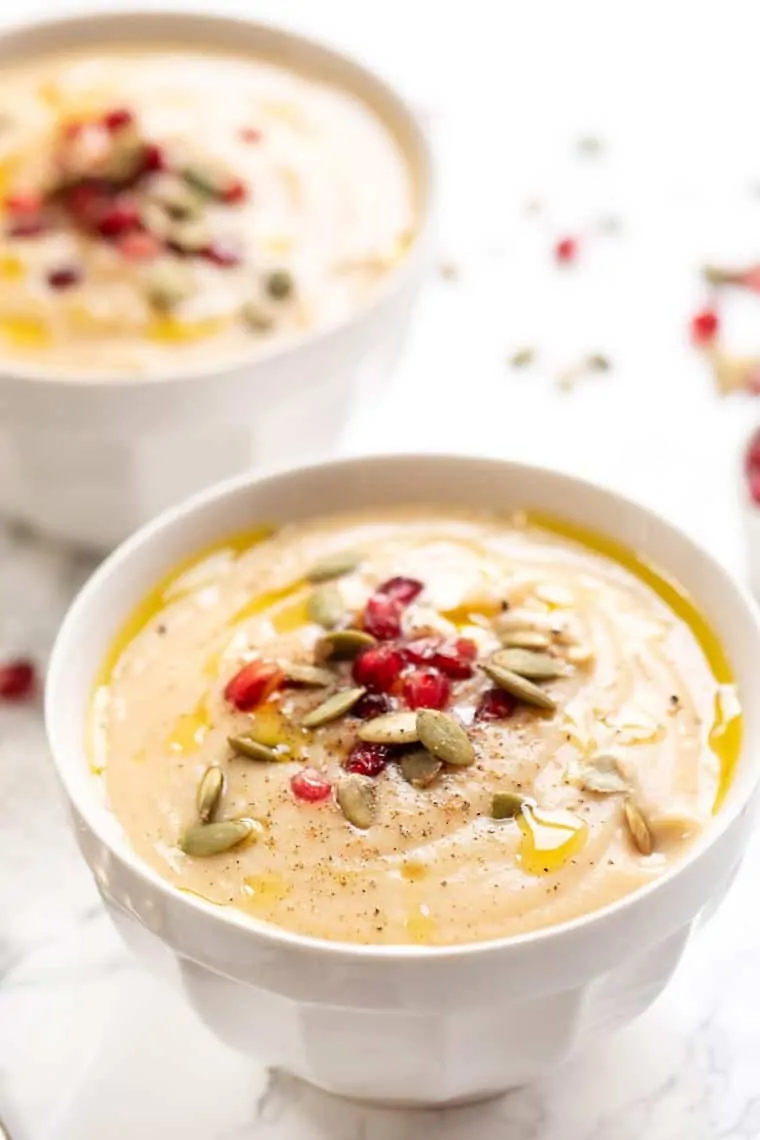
<point x="406" y="1024"/>
<point x="88" y="459"/>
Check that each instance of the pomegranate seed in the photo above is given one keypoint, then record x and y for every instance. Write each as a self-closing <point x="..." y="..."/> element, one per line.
<point x="426" y="689"/>
<point x="119" y="219"/>
<point x="752" y="458"/>
<point x="454" y="658"/>
<point x="234" y="193"/>
<point x="138" y="246"/>
<point x="310" y="786"/>
<point x="403" y="590"/>
<point x="704" y="326"/>
<point x="221" y="254"/>
<point x="64" y="277"/>
<point x="28" y="227"/>
<point x="368" y="759"/>
<point x="566" y="250"/>
<point x="250" y="134"/>
<point x="18" y="680"/>
<point x="378" y="667"/>
<point x="494" y="704"/>
<point x="73" y="130"/>
<point x="117" y="119"/>
<point x="252" y="685"/>
<point x="23" y="203"/>
<point x="372" y="704"/>
<point x="750" y="279"/>
<point x="754" y="485"/>
<point x="153" y="158"/>
<point x="382" y="617"/>
<point x="88" y="202"/>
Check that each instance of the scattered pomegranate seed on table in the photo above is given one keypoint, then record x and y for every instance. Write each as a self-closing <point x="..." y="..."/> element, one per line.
<point x="372" y="704"/>
<point x="454" y="658"/>
<point x="117" y="119"/>
<point x="494" y="704"/>
<point x="402" y="590"/>
<point x="310" y="786"/>
<point x="252" y="684"/>
<point x="566" y="250"/>
<point x="234" y="193"/>
<point x="138" y="245"/>
<point x="382" y="617"/>
<point x="251" y="134"/>
<point x="704" y="326"/>
<point x="426" y="689"/>
<point x="153" y="158"/>
<point x="23" y="203"/>
<point x="368" y="759"/>
<point x="119" y="219"/>
<point x="26" y="227"/>
<point x="753" y="481"/>
<point x="18" y="680"/>
<point x="378" y="667"/>
<point x="64" y="277"/>
<point x="221" y="254"/>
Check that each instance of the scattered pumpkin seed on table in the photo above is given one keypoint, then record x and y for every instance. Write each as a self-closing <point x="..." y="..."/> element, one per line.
<point x="506" y="805"/>
<point x="529" y="663"/>
<point x="444" y="737"/>
<point x="525" y="639"/>
<point x="255" y="750"/>
<point x="335" y="706"/>
<point x="420" y="768"/>
<point x="342" y="645"/>
<point x="518" y="686"/>
<point x="325" y="606"/>
<point x="334" y="566"/>
<point x="391" y="728"/>
<point x="209" y="792"/>
<point x="216" y="838"/>
<point x="638" y="827"/>
<point x="279" y="284"/>
<point x="309" y="675"/>
<point x="357" y="799"/>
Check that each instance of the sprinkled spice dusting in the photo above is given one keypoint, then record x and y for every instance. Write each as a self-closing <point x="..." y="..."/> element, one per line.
<point x="456" y="727"/>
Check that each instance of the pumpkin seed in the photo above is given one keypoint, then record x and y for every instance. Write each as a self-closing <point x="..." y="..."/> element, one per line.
<point x="254" y="749"/>
<point x="419" y="768"/>
<point x="335" y="706"/>
<point x="525" y="639"/>
<point x="391" y="728"/>
<point x="342" y="645"/>
<point x="506" y="805"/>
<point x="208" y="179"/>
<point x="310" y="675"/>
<point x="325" y="606"/>
<point x="279" y="284"/>
<point x="174" y="196"/>
<point x="256" y="318"/>
<point x="190" y="236"/>
<point x="334" y="565"/>
<point x="209" y="792"/>
<point x="602" y="775"/>
<point x="518" y="686"/>
<point x="528" y="663"/>
<point x="444" y="737"/>
<point x="357" y="799"/>
<point x="168" y="284"/>
<point x="638" y="827"/>
<point x="216" y="838"/>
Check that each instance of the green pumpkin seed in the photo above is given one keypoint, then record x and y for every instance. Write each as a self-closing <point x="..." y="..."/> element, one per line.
<point x="190" y="236"/>
<point x="207" y="178"/>
<point x="444" y="737"/>
<point x="255" y="750"/>
<point x="602" y="775"/>
<point x="216" y="838"/>
<point x="528" y="663"/>
<point x="209" y="792"/>
<point x="524" y="619"/>
<point x="310" y="675"/>
<point x="175" y="197"/>
<point x="168" y="284"/>
<point x="342" y="645"/>
<point x="506" y="805"/>
<point x="255" y="317"/>
<point x="638" y="827"/>
<point x="419" y="768"/>
<point x="391" y="728"/>
<point x="279" y="284"/>
<point x="334" y="565"/>
<point x="357" y="799"/>
<point x="325" y="606"/>
<point x="525" y="639"/>
<point x="335" y="706"/>
<point x="518" y="686"/>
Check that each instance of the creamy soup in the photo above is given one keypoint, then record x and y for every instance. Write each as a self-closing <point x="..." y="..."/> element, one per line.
<point x="166" y="209"/>
<point x="415" y="726"/>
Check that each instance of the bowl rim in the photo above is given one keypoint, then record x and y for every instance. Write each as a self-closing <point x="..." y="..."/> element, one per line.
<point x="75" y="622"/>
<point x="418" y="149"/>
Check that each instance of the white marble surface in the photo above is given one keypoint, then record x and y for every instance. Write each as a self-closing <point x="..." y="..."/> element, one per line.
<point x="89" y="1047"/>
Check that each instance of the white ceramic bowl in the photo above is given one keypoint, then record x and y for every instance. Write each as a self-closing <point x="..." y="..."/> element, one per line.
<point x="90" y="459"/>
<point x="407" y="1024"/>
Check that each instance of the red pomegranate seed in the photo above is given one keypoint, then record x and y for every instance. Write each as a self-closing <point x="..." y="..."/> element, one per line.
<point x="119" y="219"/>
<point x="494" y="704"/>
<point x="221" y="254"/>
<point x="372" y="704"/>
<point x="27" y="227"/>
<point x="252" y="685"/>
<point x="88" y="202"/>
<point x="368" y="759"/>
<point x="378" y="667"/>
<point x="754" y="485"/>
<point x="454" y="658"/>
<point x="704" y="326"/>
<point x="750" y="279"/>
<point x="403" y="590"/>
<point x="752" y="457"/>
<point x="250" y="134"/>
<point x="18" y="680"/>
<point x="426" y="689"/>
<point x="64" y="277"/>
<point x="566" y="250"/>
<point x="382" y="617"/>
<point x="234" y="193"/>
<point x="310" y="786"/>
<point x="153" y="158"/>
<point x="23" y="203"/>
<point x="73" y="129"/>
<point x="138" y="245"/>
<point x="117" y="119"/>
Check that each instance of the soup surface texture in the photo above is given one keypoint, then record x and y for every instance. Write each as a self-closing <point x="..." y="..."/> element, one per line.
<point x="166" y="209"/>
<point x="415" y="725"/>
